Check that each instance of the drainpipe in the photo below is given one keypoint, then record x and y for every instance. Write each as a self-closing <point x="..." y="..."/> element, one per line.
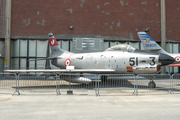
<point x="8" y="34"/>
<point x="163" y="25"/>
<point x="163" y="28"/>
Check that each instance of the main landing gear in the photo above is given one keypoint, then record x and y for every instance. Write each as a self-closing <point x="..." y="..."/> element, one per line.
<point x="152" y="84"/>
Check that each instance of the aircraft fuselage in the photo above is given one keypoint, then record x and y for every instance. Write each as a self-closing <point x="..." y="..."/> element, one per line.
<point x="121" y="61"/>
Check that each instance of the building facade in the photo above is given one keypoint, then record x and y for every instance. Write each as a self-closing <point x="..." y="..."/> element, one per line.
<point x="115" y="21"/>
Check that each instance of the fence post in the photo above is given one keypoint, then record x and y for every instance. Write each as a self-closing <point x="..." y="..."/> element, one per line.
<point x="17" y="85"/>
<point x="96" y="87"/>
<point x="70" y="91"/>
<point x="57" y="85"/>
<point x="136" y="85"/>
<point x="99" y="77"/>
<point x="171" y="84"/>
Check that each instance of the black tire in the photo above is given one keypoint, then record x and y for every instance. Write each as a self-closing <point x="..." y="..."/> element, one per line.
<point x="152" y="84"/>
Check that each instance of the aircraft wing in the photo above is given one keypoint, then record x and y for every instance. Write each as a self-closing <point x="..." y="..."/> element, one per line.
<point x="63" y="71"/>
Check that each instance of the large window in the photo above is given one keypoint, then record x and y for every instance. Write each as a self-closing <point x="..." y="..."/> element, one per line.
<point x="24" y="50"/>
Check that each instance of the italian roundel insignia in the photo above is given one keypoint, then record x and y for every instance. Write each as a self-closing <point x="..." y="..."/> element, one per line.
<point x="177" y="59"/>
<point x="67" y="62"/>
<point x="147" y="40"/>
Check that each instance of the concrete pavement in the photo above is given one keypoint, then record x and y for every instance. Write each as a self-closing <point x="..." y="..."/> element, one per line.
<point x="111" y="105"/>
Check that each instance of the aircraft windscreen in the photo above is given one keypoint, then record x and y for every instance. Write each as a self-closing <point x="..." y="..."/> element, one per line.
<point x="122" y="47"/>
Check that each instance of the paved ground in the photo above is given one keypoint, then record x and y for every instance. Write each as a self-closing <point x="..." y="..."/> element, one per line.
<point x="45" y="105"/>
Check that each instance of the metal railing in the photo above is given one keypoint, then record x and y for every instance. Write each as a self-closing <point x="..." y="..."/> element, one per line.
<point x="66" y="82"/>
<point x="77" y="82"/>
<point x="37" y="81"/>
<point x="116" y="82"/>
<point x="8" y="80"/>
<point x="153" y="82"/>
<point x="175" y="84"/>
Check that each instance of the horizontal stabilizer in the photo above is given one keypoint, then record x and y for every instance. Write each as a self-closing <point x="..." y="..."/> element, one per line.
<point x="43" y="59"/>
<point x="155" y="49"/>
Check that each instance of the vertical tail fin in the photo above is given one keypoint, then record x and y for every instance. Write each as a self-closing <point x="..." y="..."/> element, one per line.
<point x="149" y="43"/>
<point x="55" y="48"/>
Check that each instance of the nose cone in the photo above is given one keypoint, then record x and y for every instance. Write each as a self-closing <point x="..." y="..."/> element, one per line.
<point x="165" y="59"/>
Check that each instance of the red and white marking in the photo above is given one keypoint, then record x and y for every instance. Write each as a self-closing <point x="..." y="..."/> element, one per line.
<point x="67" y="62"/>
<point x="177" y="59"/>
<point x="53" y="42"/>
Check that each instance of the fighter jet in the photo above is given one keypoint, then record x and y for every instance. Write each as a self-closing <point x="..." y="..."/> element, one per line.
<point x="118" y="59"/>
<point x="151" y="45"/>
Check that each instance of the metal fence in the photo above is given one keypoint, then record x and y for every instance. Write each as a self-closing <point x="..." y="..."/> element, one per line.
<point x="153" y="82"/>
<point x="81" y="82"/>
<point x="68" y="83"/>
<point x="37" y="81"/>
<point x="175" y="84"/>
<point x="116" y="82"/>
<point x="8" y="81"/>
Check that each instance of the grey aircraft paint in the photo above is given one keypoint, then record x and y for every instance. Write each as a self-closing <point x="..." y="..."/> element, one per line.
<point x="149" y="44"/>
<point x="119" y="59"/>
<point x="123" y="59"/>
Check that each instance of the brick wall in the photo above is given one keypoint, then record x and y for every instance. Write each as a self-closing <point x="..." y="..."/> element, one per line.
<point x="2" y="18"/>
<point x="173" y="20"/>
<point x="118" y="18"/>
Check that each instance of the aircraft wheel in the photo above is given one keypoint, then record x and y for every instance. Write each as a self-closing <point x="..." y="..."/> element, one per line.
<point x="152" y="84"/>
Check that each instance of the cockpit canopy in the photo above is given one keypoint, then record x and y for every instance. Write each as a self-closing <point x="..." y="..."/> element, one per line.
<point x="122" y="47"/>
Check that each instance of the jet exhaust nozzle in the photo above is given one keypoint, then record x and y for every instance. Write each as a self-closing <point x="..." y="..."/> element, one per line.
<point x="165" y="59"/>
